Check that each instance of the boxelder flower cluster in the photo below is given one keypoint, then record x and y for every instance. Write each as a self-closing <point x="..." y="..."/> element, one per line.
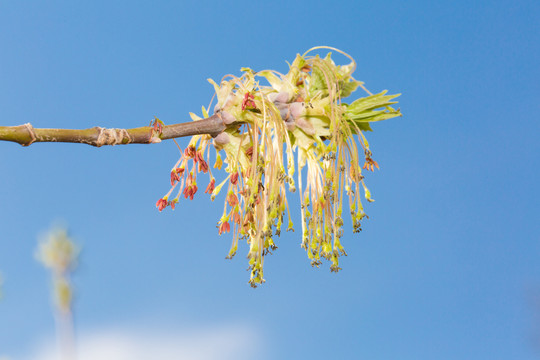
<point x="298" y="113"/>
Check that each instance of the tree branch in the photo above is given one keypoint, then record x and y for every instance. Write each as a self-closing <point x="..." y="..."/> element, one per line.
<point x="97" y="136"/>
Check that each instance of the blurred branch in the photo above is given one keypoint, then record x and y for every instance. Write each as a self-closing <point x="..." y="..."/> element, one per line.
<point x="26" y="134"/>
<point x="58" y="253"/>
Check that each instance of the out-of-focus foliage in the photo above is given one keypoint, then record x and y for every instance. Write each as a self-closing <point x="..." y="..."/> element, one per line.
<point x="58" y="253"/>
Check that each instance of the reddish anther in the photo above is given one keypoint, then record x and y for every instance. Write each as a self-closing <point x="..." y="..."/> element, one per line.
<point x="189" y="180"/>
<point x="203" y="166"/>
<point x="370" y="164"/>
<point x="199" y="156"/>
<point x="236" y="217"/>
<point x="189" y="191"/>
<point x="249" y="152"/>
<point x="234" y="178"/>
<point x="232" y="199"/>
<point x="174" y="177"/>
<point x="224" y="227"/>
<point x="161" y="204"/>
<point x="248" y="102"/>
<point x="211" y="186"/>
<point x="190" y="152"/>
<point x="191" y="188"/>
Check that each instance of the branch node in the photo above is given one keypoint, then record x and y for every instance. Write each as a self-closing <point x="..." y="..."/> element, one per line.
<point x="32" y="133"/>
<point x="220" y="116"/>
<point x="112" y="136"/>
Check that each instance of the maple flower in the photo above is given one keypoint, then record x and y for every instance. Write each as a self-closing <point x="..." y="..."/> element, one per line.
<point x="295" y="135"/>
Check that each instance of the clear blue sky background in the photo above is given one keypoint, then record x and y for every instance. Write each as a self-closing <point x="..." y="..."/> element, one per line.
<point x="447" y="266"/>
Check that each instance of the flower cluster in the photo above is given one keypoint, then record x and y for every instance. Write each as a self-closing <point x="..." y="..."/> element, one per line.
<point x="294" y="134"/>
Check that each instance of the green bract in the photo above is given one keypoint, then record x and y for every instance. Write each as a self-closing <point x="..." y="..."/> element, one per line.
<point x="293" y="135"/>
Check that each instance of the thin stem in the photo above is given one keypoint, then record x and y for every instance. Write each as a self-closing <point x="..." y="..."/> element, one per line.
<point x="26" y="134"/>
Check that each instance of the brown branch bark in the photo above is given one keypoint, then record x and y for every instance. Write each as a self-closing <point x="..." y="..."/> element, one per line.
<point x="26" y="134"/>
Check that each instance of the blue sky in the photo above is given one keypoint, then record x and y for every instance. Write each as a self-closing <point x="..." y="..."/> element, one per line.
<point x="447" y="266"/>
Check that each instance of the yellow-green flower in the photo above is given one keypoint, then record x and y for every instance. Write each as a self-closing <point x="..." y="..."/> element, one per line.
<point x="299" y="127"/>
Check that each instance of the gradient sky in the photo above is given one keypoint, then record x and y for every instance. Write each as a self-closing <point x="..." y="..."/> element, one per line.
<point x="447" y="266"/>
